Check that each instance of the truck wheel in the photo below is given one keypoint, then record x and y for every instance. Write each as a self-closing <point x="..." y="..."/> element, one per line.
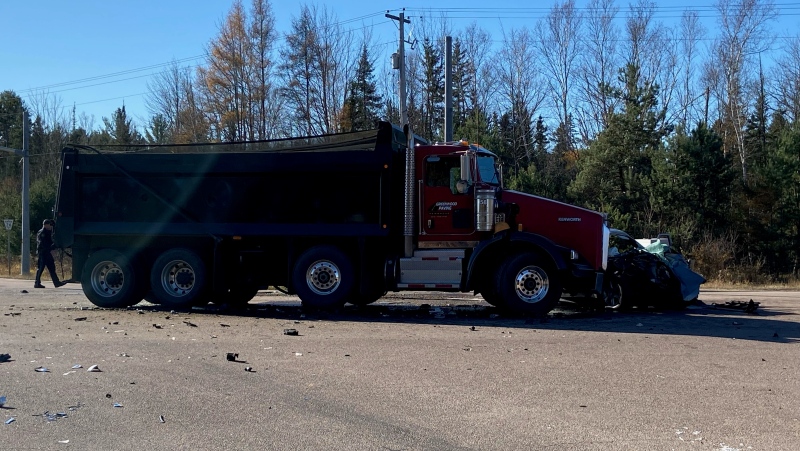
<point x="178" y="278"/>
<point x="526" y="283"/>
<point x="108" y="280"/>
<point x="323" y="277"/>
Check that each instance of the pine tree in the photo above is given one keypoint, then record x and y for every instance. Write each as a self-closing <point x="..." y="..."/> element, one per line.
<point x="363" y="103"/>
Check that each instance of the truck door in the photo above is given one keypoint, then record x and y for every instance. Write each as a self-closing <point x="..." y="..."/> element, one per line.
<point x="445" y="214"/>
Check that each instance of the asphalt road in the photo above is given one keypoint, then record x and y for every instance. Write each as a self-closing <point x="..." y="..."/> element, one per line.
<point x="392" y="376"/>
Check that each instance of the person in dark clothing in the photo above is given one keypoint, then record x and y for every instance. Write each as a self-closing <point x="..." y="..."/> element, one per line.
<point x="44" y="245"/>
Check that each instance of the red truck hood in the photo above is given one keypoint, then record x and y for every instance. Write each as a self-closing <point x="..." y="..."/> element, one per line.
<point x="573" y="227"/>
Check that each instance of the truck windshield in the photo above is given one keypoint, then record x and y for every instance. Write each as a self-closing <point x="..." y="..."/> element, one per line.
<point x="488" y="170"/>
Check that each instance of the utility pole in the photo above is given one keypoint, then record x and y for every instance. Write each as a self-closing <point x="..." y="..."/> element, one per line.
<point x="25" y="259"/>
<point x="448" y="88"/>
<point x="399" y="62"/>
<point x="25" y="263"/>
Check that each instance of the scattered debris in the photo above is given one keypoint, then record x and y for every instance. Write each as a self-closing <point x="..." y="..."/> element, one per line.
<point x="290" y="332"/>
<point x="77" y="366"/>
<point x="41" y="369"/>
<point x="249" y="369"/>
<point x="224" y="325"/>
<point x="161" y="419"/>
<point x="190" y="324"/>
<point x="82" y="318"/>
<point x="116" y="404"/>
<point x="94" y="369"/>
<point x="5" y="358"/>
<point x="472" y="328"/>
<point x="63" y="441"/>
<point x="158" y="326"/>
<point x="298" y="354"/>
<point x="748" y="307"/>
<point x="52" y="416"/>
<point x="232" y="356"/>
<point x="108" y="395"/>
<point x="23" y="291"/>
<point x="10" y="420"/>
<point x="2" y="401"/>
<point x="12" y="314"/>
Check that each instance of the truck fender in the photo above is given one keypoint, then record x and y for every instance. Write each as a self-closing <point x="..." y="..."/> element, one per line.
<point x="508" y="238"/>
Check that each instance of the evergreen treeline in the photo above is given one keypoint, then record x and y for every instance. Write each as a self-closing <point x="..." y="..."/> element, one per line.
<point x="667" y="129"/>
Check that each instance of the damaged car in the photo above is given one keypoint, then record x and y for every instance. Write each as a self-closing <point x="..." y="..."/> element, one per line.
<point x="643" y="276"/>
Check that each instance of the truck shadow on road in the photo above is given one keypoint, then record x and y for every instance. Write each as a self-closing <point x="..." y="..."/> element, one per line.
<point x="767" y="325"/>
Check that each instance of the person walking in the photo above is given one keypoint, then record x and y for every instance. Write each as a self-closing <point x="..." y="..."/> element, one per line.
<point x="44" y="246"/>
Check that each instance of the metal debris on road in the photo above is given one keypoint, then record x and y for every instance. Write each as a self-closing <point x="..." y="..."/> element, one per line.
<point x="290" y="332"/>
<point x="94" y="369"/>
<point x="232" y="356"/>
<point x="748" y="307"/>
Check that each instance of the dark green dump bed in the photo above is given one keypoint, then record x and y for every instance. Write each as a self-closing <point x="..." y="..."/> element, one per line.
<point x="332" y="185"/>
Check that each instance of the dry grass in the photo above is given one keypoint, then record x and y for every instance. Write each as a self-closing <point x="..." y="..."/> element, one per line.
<point x="63" y="268"/>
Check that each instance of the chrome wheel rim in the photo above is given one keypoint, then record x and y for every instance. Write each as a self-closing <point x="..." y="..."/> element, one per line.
<point x="323" y="277"/>
<point x="107" y="279"/>
<point x="178" y="278"/>
<point x="531" y="284"/>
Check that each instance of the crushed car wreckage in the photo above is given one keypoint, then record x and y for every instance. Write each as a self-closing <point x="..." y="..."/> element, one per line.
<point x="648" y="275"/>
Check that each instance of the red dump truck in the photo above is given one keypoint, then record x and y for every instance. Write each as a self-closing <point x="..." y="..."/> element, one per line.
<point x="333" y="219"/>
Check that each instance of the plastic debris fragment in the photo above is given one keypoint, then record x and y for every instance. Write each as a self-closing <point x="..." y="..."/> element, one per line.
<point x="161" y="419"/>
<point x="75" y="367"/>
<point x="41" y="369"/>
<point x="94" y="369"/>
<point x="10" y="420"/>
<point x="116" y="404"/>
<point x="63" y="441"/>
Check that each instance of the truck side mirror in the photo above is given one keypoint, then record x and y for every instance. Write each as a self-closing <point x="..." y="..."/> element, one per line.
<point x="466" y="174"/>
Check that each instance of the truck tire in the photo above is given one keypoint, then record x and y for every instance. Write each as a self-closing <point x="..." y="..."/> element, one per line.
<point x="527" y="283"/>
<point x="178" y="278"/>
<point x="109" y="280"/>
<point x="323" y="277"/>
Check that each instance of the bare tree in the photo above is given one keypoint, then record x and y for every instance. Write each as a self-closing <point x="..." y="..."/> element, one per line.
<point x="166" y="94"/>
<point x="598" y="67"/>
<point x="688" y="98"/>
<point x="744" y="34"/>
<point x="476" y="44"/>
<point x="558" y="42"/>
<point x="785" y="89"/>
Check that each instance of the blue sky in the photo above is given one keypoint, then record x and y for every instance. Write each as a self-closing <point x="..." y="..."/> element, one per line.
<point x="49" y="45"/>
